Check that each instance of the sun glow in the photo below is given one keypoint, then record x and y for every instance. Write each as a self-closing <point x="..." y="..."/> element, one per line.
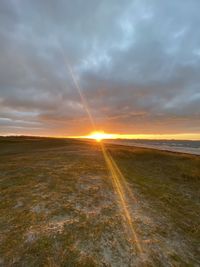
<point x="98" y="136"/>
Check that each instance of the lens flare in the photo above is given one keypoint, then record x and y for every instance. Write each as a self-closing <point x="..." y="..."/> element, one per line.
<point x="123" y="192"/>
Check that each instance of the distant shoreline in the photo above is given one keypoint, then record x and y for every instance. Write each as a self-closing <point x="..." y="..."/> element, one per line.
<point x="162" y="147"/>
<point x="191" y="147"/>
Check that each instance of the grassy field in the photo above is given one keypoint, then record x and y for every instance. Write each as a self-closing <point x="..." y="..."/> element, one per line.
<point x="58" y="206"/>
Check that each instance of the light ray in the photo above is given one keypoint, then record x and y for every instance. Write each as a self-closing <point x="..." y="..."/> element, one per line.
<point x="78" y="87"/>
<point x="123" y="181"/>
<point x="83" y="100"/>
<point x="120" y="186"/>
<point x="122" y="197"/>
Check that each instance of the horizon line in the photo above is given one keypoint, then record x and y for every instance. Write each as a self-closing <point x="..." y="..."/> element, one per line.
<point x="178" y="137"/>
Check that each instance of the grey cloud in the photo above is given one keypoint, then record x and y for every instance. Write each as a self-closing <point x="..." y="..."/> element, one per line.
<point x="137" y="63"/>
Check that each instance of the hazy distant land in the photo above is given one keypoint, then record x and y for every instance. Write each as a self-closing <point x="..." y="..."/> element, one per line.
<point x="58" y="206"/>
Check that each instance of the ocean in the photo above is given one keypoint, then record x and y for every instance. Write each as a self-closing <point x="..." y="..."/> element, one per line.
<point x="184" y="146"/>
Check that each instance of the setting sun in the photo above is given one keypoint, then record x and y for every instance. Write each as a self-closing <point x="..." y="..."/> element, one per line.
<point x="98" y="136"/>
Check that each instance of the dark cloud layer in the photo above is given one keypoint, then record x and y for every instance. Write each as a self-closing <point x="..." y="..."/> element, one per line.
<point x="137" y="62"/>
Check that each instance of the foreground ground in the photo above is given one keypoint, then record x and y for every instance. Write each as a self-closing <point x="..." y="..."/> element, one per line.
<point x="58" y="206"/>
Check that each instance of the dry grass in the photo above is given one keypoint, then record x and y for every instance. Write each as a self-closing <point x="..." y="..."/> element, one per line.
<point x="58" y="208"/>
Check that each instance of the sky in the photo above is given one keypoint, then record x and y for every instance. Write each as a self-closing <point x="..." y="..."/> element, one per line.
<point x="137" y="64"/>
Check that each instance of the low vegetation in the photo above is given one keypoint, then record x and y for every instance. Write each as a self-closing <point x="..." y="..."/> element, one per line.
<point x="58" y="207"/>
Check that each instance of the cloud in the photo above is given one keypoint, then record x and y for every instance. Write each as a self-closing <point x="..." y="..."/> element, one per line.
<point x="137" y="63"/>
